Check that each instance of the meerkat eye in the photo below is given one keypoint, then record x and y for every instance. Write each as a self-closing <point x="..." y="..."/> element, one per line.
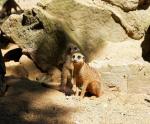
<point x="69" y="49"/>
<point x="73" y="56"/>
<point x="75" y="48"/>
<point x="83" y="58"/>
<point x="79" y="57"/>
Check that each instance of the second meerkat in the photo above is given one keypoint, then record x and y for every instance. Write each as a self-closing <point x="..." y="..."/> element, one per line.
<point x="85" y="76"/>
<point x="67" y="70"/>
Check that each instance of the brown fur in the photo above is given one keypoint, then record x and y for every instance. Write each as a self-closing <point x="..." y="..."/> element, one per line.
<point x="85" y="76"/>
<point x="67" y="70"/>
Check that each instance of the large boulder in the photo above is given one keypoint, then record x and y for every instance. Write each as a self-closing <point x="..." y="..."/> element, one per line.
<point x="45" y="31"/>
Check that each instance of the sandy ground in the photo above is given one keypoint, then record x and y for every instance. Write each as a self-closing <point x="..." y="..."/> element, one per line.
<point x="27" y="102"/>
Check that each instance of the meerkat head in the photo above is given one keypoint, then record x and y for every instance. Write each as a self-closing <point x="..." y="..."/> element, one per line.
<point x="72" y="48"/>
<point x="78" y="58"/>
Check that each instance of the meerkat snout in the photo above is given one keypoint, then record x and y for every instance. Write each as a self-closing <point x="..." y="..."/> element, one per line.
<point x="78" y="58"/>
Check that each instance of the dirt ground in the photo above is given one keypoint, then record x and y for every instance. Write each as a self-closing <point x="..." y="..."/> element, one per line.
<point x="28" y="102"/>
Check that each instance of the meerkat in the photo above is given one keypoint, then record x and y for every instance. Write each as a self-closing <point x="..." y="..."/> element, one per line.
<point x="85" y="76"/>
<point x="67" y="69"/>
<point x="8" y="6"/>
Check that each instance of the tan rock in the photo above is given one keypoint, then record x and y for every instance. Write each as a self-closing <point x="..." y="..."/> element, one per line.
<point x="55" y="75"/>
<point x="126" y="5"/>
<point x="33" y="71"/>
<point x="15" y="69"/>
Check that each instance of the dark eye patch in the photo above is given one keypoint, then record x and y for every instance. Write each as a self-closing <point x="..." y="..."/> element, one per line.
<point x="69" y="49"/>
<point x="79" y="57"/>
<point x="73" y="56"/>
<point x="75" y="48"/>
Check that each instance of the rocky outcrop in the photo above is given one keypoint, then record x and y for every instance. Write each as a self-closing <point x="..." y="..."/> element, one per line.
<point x="124" y="4"/>
<point x="130" y="5"/>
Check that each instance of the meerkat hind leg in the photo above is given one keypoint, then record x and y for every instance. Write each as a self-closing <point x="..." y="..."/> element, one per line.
<point x="77" y="91"/>
<point x="94" y="89"/>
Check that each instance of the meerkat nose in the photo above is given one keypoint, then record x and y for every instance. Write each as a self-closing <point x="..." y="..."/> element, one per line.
<point x="75" y="61"/>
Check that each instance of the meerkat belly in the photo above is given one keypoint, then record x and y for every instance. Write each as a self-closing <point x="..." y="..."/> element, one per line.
<point x="79" y="81"/>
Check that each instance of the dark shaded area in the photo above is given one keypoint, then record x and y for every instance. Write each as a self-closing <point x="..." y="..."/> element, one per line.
<point x="147" y="100"/>
<point x="25" y="20"/>
<point x="14" y="54"/>
<point x="58" y="48"/>
<point x="4" y="40"/>
<point x="143" y="4"/>
<point x="2" y="74"/>
<point x="7" y="8"/>
<point x="146" y="46"/>
<point x="30" y="19"/>
<point x="61" y="41"/>
<point x="33" y="13"/>
<point x="16" y="106"/>
<point x="37" y="26"/>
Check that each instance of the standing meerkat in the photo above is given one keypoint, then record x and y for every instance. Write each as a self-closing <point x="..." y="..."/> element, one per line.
<point x="85" y="76"/>
<point x="67" y="69"/>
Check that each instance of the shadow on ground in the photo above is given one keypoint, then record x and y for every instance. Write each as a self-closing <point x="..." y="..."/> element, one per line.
<point x="27" y="102"/>
<point x="146" y="46"/>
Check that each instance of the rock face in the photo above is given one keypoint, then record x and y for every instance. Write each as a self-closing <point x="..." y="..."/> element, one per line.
<point x="15" y="69"/>
<point x="124" y="4"/>
<point x="30" y="68"/>
<point x="129" y="5"/>
<point x="124" y="68"/>
<point x="102" y="29"/>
